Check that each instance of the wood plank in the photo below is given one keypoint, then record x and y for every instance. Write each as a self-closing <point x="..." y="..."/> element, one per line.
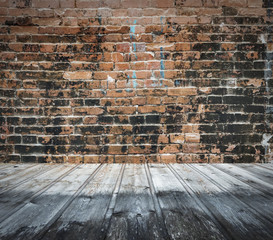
<point x="6" y="165"/>
<point x="36" y="214"/>
<point x="12" y="169"/>
<point x="258" y="172"/>
<point x="134" y="214"/>
<point x="246" y="177"/>
<point x="268" y="166"/>
<point x="255" y="199"/>
<point x="20" y="177"/>
<point x="183" y="216"/>
<point x="83" y="219"/>
<point x="234" y="215"/>
<point x="14" y="199"/>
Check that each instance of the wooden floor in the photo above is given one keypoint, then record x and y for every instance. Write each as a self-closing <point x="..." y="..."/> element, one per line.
<point x="155" y="201"/>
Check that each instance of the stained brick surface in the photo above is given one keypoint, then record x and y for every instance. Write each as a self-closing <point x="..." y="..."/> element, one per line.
<point x="136" y="81"/>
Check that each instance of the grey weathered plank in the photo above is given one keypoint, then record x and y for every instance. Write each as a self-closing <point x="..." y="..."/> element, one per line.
<point x="234" y="215"/>
<point x="255" y="199"/>
<point x="183" y="217"/>
<point x="11" y="169"/>
<point x="14" y="199"/>
<point x="6" y="166"/>
<point x="134" y="214"/>
<point x="83" y="219"/>
<point x="264" y="174"/>
<point x="268" y="166"/>
<point x="35" y="215"/>
<point x="27" y="174"/>
<point x="246" y="177"/>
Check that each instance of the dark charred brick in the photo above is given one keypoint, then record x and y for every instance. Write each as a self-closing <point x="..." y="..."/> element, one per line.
<point x="238" y="128"/>
<point x="237" y="100"/>
<point x="174" y="128"/>
<point x="209" y="117"/>
<point x="92" y="102"/>
<point x="260" y="100"/>
<point x="241" y="117"/>
<point x="146" y="129"/>
<point x="14" y="139"/>
<point x="29" y="139"/>
<point x="229" y="159"/>
<point x="121" y="120"/>
<point x="250" y="38"/>
<point x="254" y="109"/>
<point x="7" y="93"/>
<point x="207" y="56"/>
<point x="214" y="100"/>
<point x="29" y="159"/>
<point x="205" y="47"/>
<point x="251" y="47"/>
<point x="27" y="149"/>
<point x="105" y="119"/>
<point x="209" y="139"/>
<point x="143" y="139"/>
<point x="207" y="128"/>
<point x="59" y="121"/>
<point x="254" y="74"/>
<point x="77" y="140"/>
<point x="29" y="130"/>
<point x="173" y="119"/>
<point x="60" y="140"/>
<point x="29" y="121"/>
<point x="153" y="119"/>
<point x="136" y="120"/>
<point x="229" y="11"/>
<point x="243" y="65"/>
<point x="257" y="118"/>
<point x="13" y="120"/>
<point x="191" y="74"/>
<point x="246" y="159"/>
<point x="95" y="130"/>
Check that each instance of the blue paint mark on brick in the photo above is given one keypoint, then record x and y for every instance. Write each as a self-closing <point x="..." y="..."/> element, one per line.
<point x="161" y="22"/>
<point x="132" y="31"/>
<point x="134" y="75"/>
<point x="99" y="19"/>
<point x="162" y="66"/>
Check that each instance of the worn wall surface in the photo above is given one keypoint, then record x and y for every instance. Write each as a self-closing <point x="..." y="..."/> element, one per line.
<point x="136" y="80"/>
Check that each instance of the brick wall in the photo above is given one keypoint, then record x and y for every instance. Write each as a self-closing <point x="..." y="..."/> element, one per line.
<point x="136" y="80"/>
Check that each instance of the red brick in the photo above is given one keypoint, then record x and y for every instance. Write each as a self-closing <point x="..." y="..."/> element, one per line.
<point x="192" y="137"/>
<point x="233" y="3"/>
<point x="77" y="75"/>
<point x="151" y="109"/>
<point x="91" y="159"/>
<point x="123" y="47"/>
<point x="172" y="148"/>
<point x="168" y="158"/>
<point x="135" y="4"/>
<point x="182" y="91"/>
<point x="88" y="111"/>
<point x="45" y="4"/>
<point x="121" y="110"/>
<point x="67" y="3"/>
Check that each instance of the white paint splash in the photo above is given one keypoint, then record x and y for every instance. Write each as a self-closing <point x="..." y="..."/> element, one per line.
<point x="262" y="38"/>
<point x="110" y="79"/>
<point x="265" y="142"/>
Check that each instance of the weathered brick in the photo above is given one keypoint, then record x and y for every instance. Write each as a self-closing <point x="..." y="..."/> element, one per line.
<point x="135" y="81"/>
